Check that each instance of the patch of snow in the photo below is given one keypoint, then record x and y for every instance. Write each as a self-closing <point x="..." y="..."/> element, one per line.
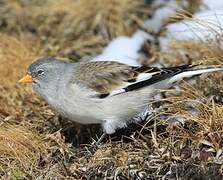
<point x="204" y="25"/>
<point x="213" y="5"/>
<point x="169" y="8"/>
<point x="124" y="49"/>
<point x="164" y="43"/>
<point x="159" y="3"/>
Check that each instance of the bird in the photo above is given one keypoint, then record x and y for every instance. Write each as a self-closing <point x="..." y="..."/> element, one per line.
<point x="103" y="92"/>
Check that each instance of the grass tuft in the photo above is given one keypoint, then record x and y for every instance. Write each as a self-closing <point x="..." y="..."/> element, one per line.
<point x="80" y="27"/>
<point x="20" y="146"/>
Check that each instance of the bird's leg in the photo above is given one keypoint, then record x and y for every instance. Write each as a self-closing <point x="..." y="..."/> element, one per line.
<point x="109" y="128"/>
<point x="101" y="138"/>
<point x="92" y="149"/>
<point x="97" y="142"/>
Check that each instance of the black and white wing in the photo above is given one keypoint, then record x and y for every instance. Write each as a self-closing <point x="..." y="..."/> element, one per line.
<point x="110" y="78"/>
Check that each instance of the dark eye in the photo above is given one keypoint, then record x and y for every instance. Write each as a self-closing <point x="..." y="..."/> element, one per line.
<point x="40" y="72"/>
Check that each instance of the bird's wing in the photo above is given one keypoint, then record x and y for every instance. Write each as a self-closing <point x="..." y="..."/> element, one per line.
<point x="110" y="78"/>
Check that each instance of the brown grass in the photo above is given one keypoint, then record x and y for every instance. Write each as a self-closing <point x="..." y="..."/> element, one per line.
<point x="203" y="128"/>
<point x="115" y="17"/>
<point x="20" y="145"/>
<point x="16" y="54"/>
<point x="86" y="24"/>
<point x="207" y="53"/>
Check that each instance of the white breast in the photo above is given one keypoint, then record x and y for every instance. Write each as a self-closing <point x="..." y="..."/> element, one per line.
<point x="73" y="104"/>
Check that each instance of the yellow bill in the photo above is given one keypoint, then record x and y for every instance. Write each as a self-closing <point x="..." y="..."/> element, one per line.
<point x="26" y="79"/>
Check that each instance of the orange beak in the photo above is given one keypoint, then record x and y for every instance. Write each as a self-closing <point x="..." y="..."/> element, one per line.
<point x="26" y="79"/>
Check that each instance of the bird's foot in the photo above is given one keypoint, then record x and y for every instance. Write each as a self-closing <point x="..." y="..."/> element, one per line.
<point x="96" y="143"/>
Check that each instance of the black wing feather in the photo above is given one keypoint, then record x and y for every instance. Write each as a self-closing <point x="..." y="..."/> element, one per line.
<point x="165" y="73"/>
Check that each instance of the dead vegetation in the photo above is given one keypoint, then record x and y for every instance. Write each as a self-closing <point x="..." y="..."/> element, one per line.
<point x="20" y="147"/>
<point x="72" y="28"/>
<point x="35" y="143"/>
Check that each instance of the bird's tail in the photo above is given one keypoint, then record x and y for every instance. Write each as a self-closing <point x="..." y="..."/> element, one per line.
<point x="165" y="77"/>
<point x="190" y="73"/>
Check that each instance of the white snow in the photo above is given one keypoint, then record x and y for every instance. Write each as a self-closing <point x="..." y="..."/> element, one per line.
<point x="161" y="14"/>
<point x="124" y="49"/>
<point x="213" y="4"/>
<point x="156" y="22"/>
<point x="205" y="25"/>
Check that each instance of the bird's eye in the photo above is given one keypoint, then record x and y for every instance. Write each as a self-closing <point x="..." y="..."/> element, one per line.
<point x="40" y="72"/>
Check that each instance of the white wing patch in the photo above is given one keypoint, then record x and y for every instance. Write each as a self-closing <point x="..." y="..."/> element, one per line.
<point x="145" y="76"/>
<point x="141" y="77"/>
<point x="115" y="92"/>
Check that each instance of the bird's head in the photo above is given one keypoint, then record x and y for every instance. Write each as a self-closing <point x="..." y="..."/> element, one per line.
<point x="44" y="75"/>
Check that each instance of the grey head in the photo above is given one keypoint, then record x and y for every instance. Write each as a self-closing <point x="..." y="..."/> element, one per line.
<point x="46" y="74"/>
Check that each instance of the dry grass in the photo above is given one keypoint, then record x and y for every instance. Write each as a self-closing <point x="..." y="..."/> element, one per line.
<point x="16" y="54"/>
<point x="201" y="136"/>
<point x="206" y="52"/>
<point x="20" y="146"/>
<point x="114" y="17"/>
<point x="79" y="27"/>
<point x="23" y="149"/>
<point x="197" y="108"/>
<point x="194" y="5"/>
